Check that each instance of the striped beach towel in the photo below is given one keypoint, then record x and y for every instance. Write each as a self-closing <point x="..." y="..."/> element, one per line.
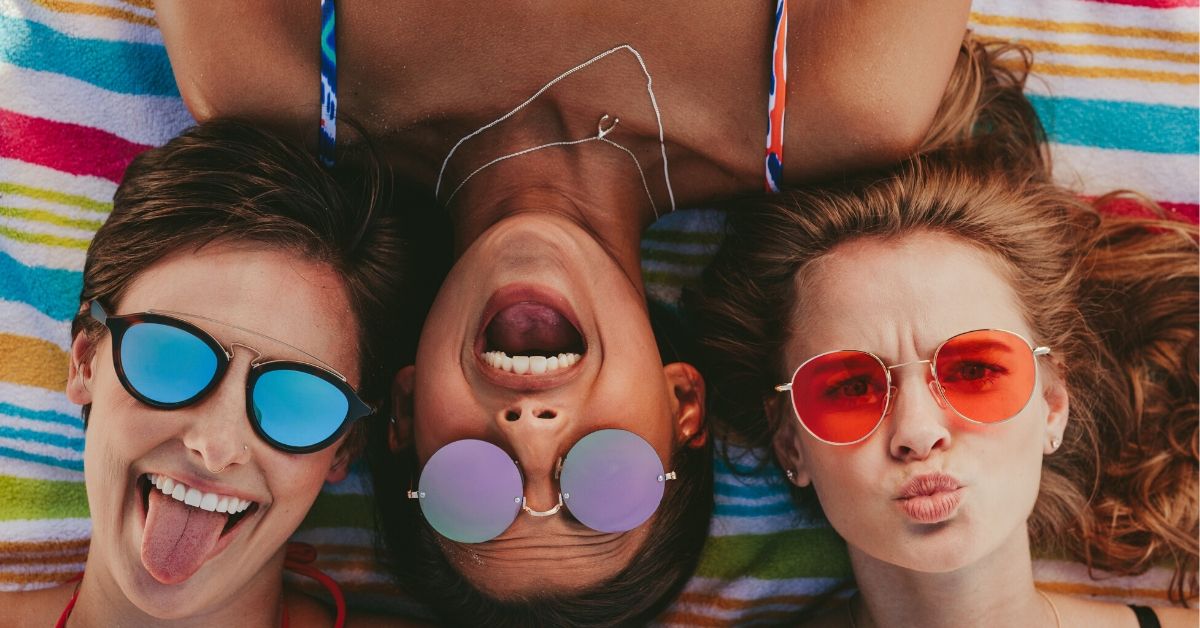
<point x="85" y="85"/>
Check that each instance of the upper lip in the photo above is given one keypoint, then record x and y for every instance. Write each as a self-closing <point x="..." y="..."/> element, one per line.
<point x="511" y="295"/>
<point x="928" y="484"/>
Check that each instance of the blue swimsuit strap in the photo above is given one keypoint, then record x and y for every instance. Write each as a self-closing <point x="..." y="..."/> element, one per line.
<point x="327" y="140"/>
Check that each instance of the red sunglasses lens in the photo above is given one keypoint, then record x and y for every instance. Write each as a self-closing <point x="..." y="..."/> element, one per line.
<point x="987" y="375"/>
<point x="841" y="396"/>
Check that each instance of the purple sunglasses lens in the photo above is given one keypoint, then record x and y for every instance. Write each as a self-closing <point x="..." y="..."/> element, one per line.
<point x="471" y="491"/>
<point x="612" y="480"/>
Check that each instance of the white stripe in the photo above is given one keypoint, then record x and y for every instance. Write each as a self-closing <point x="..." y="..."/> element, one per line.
<point x="1115" y="63"/>
<point x="43" y="255"/>
<point x="11" y="467"/>
<point x="1095" y="171"/>
<point x="42" y="449"/>
<point x="35" y="398"/>
<point x="35" y="227"/>
<point x="32" y="531"/>
<point x="23" y="320"/>
<point x="86" y="26"/>
<point x="1122" y="90"/>
<point x="782" y="497"/>
<point x="1011" y="33"/>
<point x="1182" y="19"/>
<point x="142" y="119"/>
<point x="31" y="568"/>
<point x="95" y="188"/>
<point x="43" y="427"/>
<point x="756" y="524"/>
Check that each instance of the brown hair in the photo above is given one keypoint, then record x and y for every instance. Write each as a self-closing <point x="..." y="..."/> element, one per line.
<point x="1116" y="297"/>
<point x="225" y="181"/>
<point x="632" y="597"/>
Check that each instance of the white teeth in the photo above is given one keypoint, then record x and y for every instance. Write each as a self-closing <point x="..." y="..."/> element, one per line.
<point x="211" y="502"/>
<point x="531" y="364"/>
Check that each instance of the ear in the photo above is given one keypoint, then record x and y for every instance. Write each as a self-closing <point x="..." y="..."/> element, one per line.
<point x="400" y="423"/>
<point x="80" y="371"/>
<point x="341" y="465"/>
<point x="786" y="443"/>
<point x="686" y="390"/>
<point x="1059" y="403"/>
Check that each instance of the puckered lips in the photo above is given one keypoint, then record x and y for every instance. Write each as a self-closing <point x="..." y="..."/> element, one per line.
<point x="529" y="339"/>
<point x="185" y="526"/>
<point x="930" y="497"/>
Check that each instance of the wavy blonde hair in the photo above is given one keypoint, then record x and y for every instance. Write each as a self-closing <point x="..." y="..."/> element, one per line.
<point x="1116" y="296"/>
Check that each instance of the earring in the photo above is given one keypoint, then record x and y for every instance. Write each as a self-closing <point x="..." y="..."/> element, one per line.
<point x="392" y="419"/>
<point x="791" y="475"/>
<point x="1054" y="443"/>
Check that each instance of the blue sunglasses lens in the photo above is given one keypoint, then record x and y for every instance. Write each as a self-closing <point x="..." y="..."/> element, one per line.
<point x="470" y="491"/>
<point x="166" y="364"/>
<point x="298" y="409"/>
<point x="612" y="480"/>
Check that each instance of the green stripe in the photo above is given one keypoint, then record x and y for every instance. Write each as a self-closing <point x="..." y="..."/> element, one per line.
<point x="683" y="237"/>
<point x="44" y="238"/>
<point x="675" y="257"/>
<point x="804" y="553"/>
<point x="340" y="511"/>
<point x="41" y="215"/>
<point x="22" y="498"/>
<point x="82" y="202"/>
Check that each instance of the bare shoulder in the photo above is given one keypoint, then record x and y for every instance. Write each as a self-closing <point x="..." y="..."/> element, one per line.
<point x="34" y="608"/>
<point x="1097" y="614"/>
<point x="1172" y="617"/>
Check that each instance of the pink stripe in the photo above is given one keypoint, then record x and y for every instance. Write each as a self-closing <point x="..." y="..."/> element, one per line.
<point x="67" y="147"/>
<point x="1154" y="4"/>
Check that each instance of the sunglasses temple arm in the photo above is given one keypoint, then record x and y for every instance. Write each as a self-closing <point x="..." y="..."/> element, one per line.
<point x="97" y="312"/>
<point x="1041" y="351"/>
<point x="543" y="513"/>
<point x="783" y="387"/>
<point x="415" y="494"/>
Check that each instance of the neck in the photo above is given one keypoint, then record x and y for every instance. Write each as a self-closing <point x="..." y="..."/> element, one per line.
<point x="101" y="602"/>
<point x="996" y="590"/>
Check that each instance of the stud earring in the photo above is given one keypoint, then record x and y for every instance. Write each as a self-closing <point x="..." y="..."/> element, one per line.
<point x="791" y="475"/>
<point x="1054" y="443"/>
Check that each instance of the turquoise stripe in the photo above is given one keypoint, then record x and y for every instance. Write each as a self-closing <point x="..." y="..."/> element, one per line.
<point x="51" y="461"/>
<point x="1120" y="125"/>
<point x="125" y="67"/>
<point x="48" y="416"/>
<point x="744" y="510"/>
<point x="750" y="491"/>
<point x="51" y="291"/>
<point x="32" y="436"/>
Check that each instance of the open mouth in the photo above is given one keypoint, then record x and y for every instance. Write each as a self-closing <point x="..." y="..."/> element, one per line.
<point x="531" y="338"/>
<point x="184" y="527"/>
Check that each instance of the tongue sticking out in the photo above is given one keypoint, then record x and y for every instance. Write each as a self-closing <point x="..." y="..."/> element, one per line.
<point x="178" y="538"/>
<point x="532" y="329"/>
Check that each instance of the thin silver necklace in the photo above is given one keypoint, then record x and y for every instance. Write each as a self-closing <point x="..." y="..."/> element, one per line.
<point x="601" y="130"/>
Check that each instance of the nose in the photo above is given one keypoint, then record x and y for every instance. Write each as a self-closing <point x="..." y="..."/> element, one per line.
<point x="536" y="433"/>
<point x="920" y="418"/>
<point x="217" y="431"/>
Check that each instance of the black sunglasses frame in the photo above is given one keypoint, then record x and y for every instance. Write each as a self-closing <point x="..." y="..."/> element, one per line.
<point x="118" y="325"/>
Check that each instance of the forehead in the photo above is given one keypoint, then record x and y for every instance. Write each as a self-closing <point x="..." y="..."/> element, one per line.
<point x="270" y="291"/>
<point x="886" y="295"/>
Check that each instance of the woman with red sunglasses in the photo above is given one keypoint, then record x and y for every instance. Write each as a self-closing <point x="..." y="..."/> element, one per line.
<point x="961" y="359"/>
<point x="237" y="326"/>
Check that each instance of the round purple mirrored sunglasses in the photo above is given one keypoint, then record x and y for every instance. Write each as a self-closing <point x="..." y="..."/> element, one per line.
<point x="471" y="491"/>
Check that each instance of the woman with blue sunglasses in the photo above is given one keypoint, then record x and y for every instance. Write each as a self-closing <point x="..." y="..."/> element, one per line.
<point x="240" y="318"/>
<point x="962" y="359"/>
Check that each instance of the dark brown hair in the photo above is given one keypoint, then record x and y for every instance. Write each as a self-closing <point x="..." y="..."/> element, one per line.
<point x="632" y="597"/>
<point x="1115" y="296"/>
<point x="225" y="181"/>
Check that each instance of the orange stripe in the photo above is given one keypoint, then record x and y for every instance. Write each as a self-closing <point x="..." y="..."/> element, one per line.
<point x="1080" y="588"/>
<point x="33" y="362"/>
<point x="12" y="547"/>
<point x="1151" y="76"/>
<point x="729" y="603"/>
<point x="1151" y="54"/>
<point x="1085" y="27"/>
<point x="43" y="560"/>
<point x="141" y="4"/>
<point x="39" y="578"/>
<point x="80" y="8"/>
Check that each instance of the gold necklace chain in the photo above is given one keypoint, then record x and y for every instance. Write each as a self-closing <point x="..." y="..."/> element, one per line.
<point x="1053" y="609"/>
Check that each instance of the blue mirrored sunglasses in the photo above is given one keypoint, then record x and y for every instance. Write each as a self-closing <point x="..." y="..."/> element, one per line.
<point x="168" y="363"/>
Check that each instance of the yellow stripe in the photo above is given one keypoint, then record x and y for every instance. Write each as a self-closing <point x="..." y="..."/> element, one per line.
<point x="32" y="362"/>
<point x="68" y="559"/>
<point x="141" y="4"/>
<point x="7" y="547"/>
<point x="1081" y="589"/>
<point x="44" y="238"/>
<point x="1085" y="27"/>
<point x="39" y="578"/>
<point x="41" y="215"/>
<point x="1151" y="54"/>
<point x="1085" y="71"/>
<point x="62" y="6"/>
<point x="42" y="194"/>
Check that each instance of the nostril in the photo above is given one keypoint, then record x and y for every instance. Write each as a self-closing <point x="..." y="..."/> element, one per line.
<point x="512" y="415"/>
<point x="546" y="414"/>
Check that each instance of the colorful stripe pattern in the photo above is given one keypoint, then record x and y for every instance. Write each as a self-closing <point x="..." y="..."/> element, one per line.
<point x="327" y="138"/>
<point x="73" y="113"/>
<point x="777" y="98"/>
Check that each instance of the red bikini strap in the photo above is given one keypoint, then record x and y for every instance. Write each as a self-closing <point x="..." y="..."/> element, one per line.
<point x="297" y="559"/>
